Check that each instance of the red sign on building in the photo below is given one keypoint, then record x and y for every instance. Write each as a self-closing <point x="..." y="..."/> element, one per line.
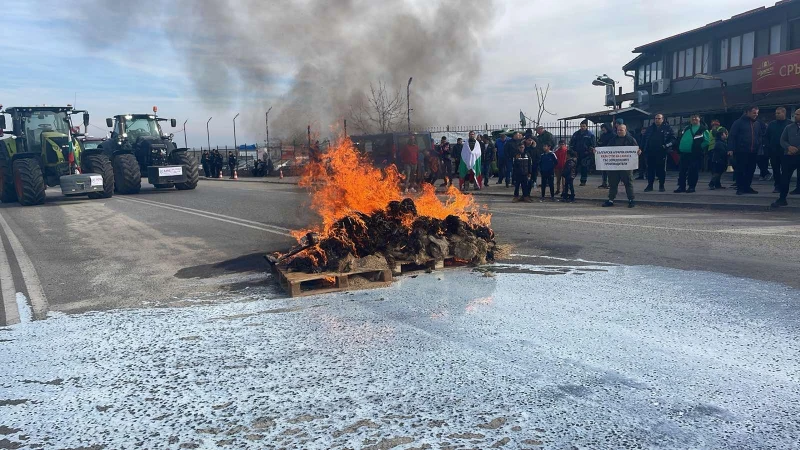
<point x="777" y="72"/>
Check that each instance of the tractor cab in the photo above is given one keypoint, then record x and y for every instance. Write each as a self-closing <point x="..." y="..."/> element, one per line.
<point x="143" y="136"/>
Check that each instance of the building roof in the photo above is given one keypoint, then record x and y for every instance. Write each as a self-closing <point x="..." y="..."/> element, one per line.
<point x="634" y="63"/>
<point x="747" y="15"/>
<point x="608" y="115"/>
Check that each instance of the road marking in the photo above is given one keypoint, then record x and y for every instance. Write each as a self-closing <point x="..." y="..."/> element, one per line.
<point x="739" y="232"/>
<point x="11" y="312"/>
<point x="29" y="277"/>
<point x="207" y="215"/>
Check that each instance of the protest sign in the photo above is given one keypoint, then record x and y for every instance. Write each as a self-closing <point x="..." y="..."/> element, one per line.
<point x="617" y="158"/>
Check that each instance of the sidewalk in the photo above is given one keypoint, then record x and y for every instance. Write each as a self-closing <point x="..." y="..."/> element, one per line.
<point x="724" y="199"/>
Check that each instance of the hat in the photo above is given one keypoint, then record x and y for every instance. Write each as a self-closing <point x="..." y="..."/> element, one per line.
<point x="619" y="121"/>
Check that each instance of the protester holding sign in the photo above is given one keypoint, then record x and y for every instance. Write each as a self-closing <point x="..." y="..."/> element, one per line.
<point x="628" y="160"/>
<point x="692" y="147"/>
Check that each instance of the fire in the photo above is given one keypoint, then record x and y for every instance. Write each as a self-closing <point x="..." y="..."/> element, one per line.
<point x="344" y="182"/>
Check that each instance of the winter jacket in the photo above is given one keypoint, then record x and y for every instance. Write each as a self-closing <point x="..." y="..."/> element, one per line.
<point x="659" y="139"/>
<point x="773" y="137"/>
<point x="746" y="135"/>
<point x="510" y="148"/>
<point x="570" y="169"/>
<point x="625" y="141"/>
<point x="720" y="152"/>
<point x="790" y="138"/>
<point x="546" y="138"/>
<point x="548" y="162"/>
<point x="487" y="149"/>
<point x="232" y="160"/>
<point x="409" y="154"/>
<point x="535" y="154"/>
<point x="500" y="147"/>
<point x="581" y="142"/>
<point x="695" y="139"/>
<point x="561" y="156"/>
<point x="606" y="137"/>
<point x="444" y="151"/>
<point x="521" y="166"/>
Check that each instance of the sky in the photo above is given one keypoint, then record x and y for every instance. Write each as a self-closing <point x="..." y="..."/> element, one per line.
<point x="46" y="59"/>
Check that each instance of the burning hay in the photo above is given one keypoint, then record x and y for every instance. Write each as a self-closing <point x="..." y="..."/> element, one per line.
<point x="367" y="224"/>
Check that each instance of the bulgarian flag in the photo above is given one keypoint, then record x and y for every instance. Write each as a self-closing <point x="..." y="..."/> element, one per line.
<point x="470" y="160"/>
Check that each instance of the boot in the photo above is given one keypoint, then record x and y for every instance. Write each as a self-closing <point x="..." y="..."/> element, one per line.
<point x="649" y="188"/>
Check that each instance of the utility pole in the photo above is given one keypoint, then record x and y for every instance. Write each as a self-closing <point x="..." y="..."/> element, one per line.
<point x="267" y="144"/>
<point x="309" y="137"/>
<point x="185" y="144"/>
<point x="408" y="102"/>
<point x="345" y="128"/>
<point x="234" y="131"/>
<point x="208" y="135"/>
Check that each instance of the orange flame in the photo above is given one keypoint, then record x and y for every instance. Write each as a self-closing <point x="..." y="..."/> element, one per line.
<point x="344" y="182"/>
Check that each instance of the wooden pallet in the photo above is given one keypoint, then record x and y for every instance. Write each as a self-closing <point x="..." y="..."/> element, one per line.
<point x="403" y="267"/>
<point x="299" y="284"/>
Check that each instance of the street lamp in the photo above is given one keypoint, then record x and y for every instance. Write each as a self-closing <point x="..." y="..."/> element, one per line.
<point x="234" y="131"/>
<point x="408" y="102"/>
<point x="185" y="144"/>
<point x="606" y="81"/>
<point x="208" y="135"/>
<point x="270" y="109"/>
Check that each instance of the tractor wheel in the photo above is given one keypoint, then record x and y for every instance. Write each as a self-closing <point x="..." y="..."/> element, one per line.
<point x="189" y="164"/>
<point x="8" y="193"/>
<point x="127" y="177"/>
<point x="99" y="163"/>
<point x="28" y="182"/>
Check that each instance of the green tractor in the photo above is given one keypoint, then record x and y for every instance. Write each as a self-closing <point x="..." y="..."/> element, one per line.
<point x="138" y="146"/>
<point x="43" y="151"/>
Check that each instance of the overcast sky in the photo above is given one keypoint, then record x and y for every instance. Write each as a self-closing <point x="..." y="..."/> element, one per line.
<point x="564" y="43"/>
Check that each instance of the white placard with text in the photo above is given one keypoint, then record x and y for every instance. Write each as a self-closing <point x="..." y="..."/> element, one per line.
<point x="617" y="158"/>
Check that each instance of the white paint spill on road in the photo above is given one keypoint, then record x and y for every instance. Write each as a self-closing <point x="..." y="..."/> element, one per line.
<point x="25" y="311"/>
<point x="635" y="356"/>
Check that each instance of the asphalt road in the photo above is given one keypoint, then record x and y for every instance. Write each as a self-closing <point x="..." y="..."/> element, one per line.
<point x="166" y="247"/>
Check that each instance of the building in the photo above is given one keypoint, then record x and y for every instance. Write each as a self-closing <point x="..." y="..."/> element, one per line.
<point x="717" y="69"/>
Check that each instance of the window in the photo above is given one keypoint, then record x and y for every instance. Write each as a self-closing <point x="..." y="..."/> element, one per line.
<point x="641" y="75"/>
<point x="762" y="42"/>
<point x="794" y="34"/>
<point x="681" y="64"/>
<point x="674" y="66"/>
<point x="706" y="58"/>
<point x="688" y="63"/>
<point x="736" y="51"/>
<point x="723" y="54"/>
<point x="659" y="70"/>
<point x="748" y="48"/>
<point x="775" y="39"/>
<point x="653" y="75"/>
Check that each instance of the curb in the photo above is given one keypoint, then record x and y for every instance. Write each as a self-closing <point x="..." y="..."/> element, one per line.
<point x="657" y="203"/>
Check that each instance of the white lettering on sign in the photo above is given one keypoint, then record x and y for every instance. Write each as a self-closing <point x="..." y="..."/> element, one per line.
<point x="95" y="180"/>
<point x="617" y="158"/>
<point x="170" y="171"/>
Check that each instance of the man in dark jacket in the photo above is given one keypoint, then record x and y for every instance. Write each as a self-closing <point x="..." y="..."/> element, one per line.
<point x="544" y="137"/>
<point x="790" y="161"/>
<point x="582" y="143"/>
<point x="744" y="140"/>
<point x="622" y="139"/>
<point x="233" y="162"/>
<point x="773" y="144"/>
<point x="509" y="147"/>
<point x="487" y="157"/>
<point x="521" y="169"/>
<point x="608" y="133"/>
<point x="534" y="152"/>
<point x="205" y="161"/>
<point x="659" y="140"/>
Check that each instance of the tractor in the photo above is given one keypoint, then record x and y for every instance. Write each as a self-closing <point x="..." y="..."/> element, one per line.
<point x="138" y="146"/>
<point x="43" y="151"/>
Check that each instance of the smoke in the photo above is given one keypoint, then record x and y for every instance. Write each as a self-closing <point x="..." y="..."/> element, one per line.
<point x="311" y="59"/>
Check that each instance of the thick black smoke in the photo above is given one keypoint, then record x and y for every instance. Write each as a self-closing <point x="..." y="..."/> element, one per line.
<point x="317" y="57"/>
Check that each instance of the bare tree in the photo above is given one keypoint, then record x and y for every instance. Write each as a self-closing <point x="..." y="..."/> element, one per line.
<point x="379" y="111"/>
<point x="541" y="98"/>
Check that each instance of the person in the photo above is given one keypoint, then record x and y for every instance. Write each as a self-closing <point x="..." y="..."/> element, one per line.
<point x="512" y="143"/>
<point x="314" y="152"/>
<point x="487" y="158"/>
<point x="205" y="161"/>
<point x="270" y="166"/>
<point x="434" y="160"/>
<point x="773" y="143"/>
<point x="622" y="139"/>
<point x="642" y="158"/>
<point x="547" y="166"/>
<point x="446" y="166"/>
<point x="692" y="147"/>
<point x="216" y="160"/>
<point x="606" y="136"/>
<point x="502" y="159"/>
<point x="543" y="136"/>
<point x="569" y="173"/>
<point x="535" y="154"/>
<point x="469" y="169"/>
<point x="790" y="161"/>
<point x="719" y="159"/>
<point x="232" y="162"/>
<point x="455" y="153"/>
<point x="409" y="155"/>
<point x="713" y="131"/>
<point x="582" y="143"/>
<point x="744" y="141"/>
<point x="561" y="156"/>
<point x="422" y="157"/>
<point x="659" y="140"/>
<point x="521" y="167"/>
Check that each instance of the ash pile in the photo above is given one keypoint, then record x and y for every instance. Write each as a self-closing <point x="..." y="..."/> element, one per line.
<point x="394" y="235"/>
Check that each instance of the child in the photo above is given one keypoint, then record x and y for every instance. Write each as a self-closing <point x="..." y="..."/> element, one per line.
<point x="547" y="167"/>
<point x="569" y="173"/>
<point x="522" y="175"/>
<point x="561" y="156"/>
<point x="719" y="159"/>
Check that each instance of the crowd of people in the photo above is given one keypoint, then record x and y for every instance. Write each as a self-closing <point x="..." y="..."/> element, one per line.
<point x="531" y="159"/>
<point x="211" y="162"/>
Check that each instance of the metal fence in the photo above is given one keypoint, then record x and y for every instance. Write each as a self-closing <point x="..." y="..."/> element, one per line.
<point x="561" y="130"/>
<point x="284" y="156"/>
